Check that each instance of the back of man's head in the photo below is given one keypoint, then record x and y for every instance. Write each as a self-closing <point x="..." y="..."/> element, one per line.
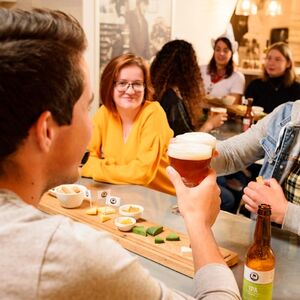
<point x="40" y="52"/>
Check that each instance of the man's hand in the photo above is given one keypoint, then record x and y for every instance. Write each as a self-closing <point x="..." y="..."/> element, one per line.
<point x="269" y="193"/>
<point x="200" y="203"/>
<point x="199" y="207"/>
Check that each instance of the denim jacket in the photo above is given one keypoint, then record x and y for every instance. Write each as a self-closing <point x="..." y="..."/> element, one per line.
<point x="276" y="139"/>
<point x="281" y="143"/>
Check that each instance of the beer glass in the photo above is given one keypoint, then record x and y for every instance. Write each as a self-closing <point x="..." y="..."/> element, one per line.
<point x="218" y="110"/>
<point x="215" y="111"/>
<point x="190" y="160"/>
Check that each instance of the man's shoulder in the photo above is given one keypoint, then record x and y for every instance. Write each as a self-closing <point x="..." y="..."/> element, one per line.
<point x="54" y="249"/>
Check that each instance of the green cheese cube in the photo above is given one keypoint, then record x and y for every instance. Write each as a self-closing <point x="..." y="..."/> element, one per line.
<point x="139" y="230"/>
<point x="172" y="237"/>
<point x="159" y="240"/>
<point x="154" y="230"/>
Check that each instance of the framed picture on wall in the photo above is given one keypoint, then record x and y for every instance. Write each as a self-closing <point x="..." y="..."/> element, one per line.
<point x="141" y="27"/>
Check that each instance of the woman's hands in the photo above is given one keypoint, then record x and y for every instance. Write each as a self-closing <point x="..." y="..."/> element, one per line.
<point x="269" y="193"/>
<point x="214" y="121"/>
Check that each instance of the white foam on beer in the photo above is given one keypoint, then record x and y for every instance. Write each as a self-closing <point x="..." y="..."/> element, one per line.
<point x="190" y="151"/>
<point x="197" y="137"/>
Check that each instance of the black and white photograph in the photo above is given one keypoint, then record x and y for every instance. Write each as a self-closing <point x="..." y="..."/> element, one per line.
<point x="141" y="27"/>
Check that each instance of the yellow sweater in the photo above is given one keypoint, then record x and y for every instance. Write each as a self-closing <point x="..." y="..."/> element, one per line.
<point x="141" y="160"/>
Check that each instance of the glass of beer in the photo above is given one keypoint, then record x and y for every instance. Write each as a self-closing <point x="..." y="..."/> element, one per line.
<point x="216" y="111"/>
<point x="190" y="160"/>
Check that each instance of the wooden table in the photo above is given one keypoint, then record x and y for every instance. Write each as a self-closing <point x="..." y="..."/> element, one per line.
<point x="232" y="232"/>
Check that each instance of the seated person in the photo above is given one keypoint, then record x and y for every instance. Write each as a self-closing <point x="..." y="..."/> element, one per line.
<point x="219" y="76"/>
<point x="178" y="86"/>
<point x="278" y="83"/>
<point x="221" y="80"/>
<point x="47" y="99"/>
<point x="276" y="139"/>
<point x="131" y="133"/>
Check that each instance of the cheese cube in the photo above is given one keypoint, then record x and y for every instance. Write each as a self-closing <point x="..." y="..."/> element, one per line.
<point x="185" y="251"/>
<point x="92" y="211"/>
<point x="106" y="210"/>
<point x="104" y="218"/>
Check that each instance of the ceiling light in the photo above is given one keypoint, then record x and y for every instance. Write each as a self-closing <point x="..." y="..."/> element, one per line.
<point x="273" y="8"/>
<point x="246" y="8"/>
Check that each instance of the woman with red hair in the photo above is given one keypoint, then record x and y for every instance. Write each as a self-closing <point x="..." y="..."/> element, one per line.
<point x="131" y="132"/>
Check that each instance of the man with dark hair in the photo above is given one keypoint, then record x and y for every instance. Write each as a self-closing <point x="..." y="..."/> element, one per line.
<point x="45" y="97"/>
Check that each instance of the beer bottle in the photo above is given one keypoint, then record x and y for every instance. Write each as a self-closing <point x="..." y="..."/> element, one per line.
<point x="248" y="117"/>
<point x="260" y="261"/>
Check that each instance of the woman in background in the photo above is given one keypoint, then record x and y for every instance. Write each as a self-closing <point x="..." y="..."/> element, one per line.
<point x="278" y="83"/>
<point x="178" y="86"/>
<point x="131" y="133"/>
<point x="220" y="78"/>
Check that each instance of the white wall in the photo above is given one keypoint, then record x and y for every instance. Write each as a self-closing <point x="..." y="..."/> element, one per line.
<point x="86" y="13"/>
<point x="197" y="21"/>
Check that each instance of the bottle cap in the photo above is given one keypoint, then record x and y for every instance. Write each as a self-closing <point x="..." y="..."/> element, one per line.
<point x="264" y="210"/>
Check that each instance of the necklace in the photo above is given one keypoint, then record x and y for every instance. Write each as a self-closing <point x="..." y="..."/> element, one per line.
<point x="216" y="78"/>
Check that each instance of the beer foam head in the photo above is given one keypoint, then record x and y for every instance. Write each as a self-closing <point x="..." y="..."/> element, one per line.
<point x="190" y="151"/>
<point x="197" y="138"/>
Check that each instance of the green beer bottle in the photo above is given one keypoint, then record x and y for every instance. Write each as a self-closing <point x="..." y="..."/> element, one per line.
<point x="259" y="266"/>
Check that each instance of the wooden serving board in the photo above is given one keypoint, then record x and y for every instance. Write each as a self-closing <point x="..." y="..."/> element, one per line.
<point x="240" y="110"/>
<point x="167" y="254"/>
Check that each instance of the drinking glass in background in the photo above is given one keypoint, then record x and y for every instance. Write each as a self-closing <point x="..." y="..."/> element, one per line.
<point x="216" y="111"/>
<point x="190" y="159"/>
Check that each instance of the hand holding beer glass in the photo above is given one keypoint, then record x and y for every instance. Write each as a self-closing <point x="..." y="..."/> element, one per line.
<point x="190" y="155"/>
<point x="218" y="115"/>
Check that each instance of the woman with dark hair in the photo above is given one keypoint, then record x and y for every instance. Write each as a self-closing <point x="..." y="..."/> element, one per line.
<point x="220" y="78"/>
<point x="178" y="86"/>
<point x="278" y="82"/>
<point x="131" y="132"/>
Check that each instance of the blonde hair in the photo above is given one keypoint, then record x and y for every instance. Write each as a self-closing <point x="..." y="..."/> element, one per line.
<point x="289" y="76"/>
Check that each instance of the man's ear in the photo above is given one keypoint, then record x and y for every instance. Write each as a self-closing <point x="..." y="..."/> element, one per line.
<point x="45" y="130"/>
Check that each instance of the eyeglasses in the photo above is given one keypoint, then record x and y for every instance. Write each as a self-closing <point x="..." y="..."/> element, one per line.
<point x="122" y="86"/>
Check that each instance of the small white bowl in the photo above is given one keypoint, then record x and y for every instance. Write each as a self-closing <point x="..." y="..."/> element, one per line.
<point x="70" y="195"/>
<point x="228" y="100"/>
<point x="257" y="110"/>
<point x="125" y="226"/>
<point x="136" y="211"/>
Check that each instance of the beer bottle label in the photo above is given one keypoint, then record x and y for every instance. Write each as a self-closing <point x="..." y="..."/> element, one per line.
<point x="246" y="123"/>
<point x="257" y="284"/>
